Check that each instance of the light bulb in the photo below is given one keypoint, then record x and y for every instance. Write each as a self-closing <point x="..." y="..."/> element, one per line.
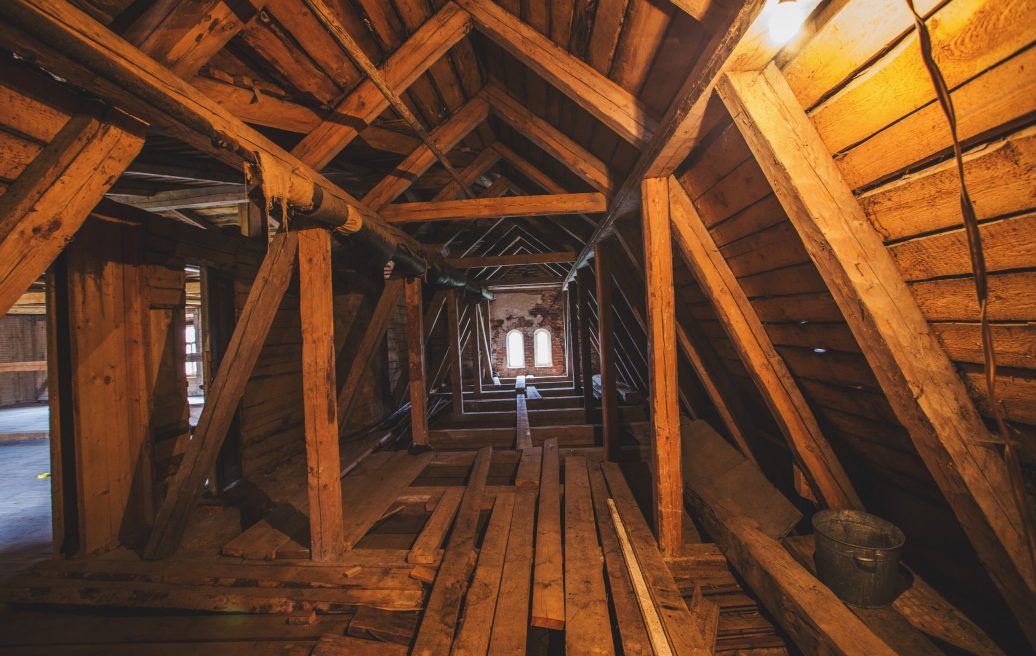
<point x="786" y="17"/>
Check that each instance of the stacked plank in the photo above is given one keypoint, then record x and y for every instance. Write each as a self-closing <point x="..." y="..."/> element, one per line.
<point x="220" y="585"/>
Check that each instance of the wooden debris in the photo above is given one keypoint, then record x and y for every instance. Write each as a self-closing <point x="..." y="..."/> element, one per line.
<point x="426" y="548"/>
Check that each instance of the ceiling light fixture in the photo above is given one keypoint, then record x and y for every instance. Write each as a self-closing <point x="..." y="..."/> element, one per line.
<point x="785" y="20"/>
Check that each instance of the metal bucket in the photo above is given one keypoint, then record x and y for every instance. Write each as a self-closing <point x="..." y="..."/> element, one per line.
<point x="857" y="556"/>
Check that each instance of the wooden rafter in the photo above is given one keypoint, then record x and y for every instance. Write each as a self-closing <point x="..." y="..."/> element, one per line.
<point x="510" y="260"/>
<point x="48" y="202"/>
<point x="185" y="35"/>
<point x="555" y="142"/>
<point x="911" y="366"/>
<point x="473" y="171"/>
<point x="489" y="208"/>
<point x="601" y="97"/>
<point x="424" y="47"/>
<point x="768" y="370"/>
<point x="330" y="22"/>
<point x="446" y="136"/>
<point x="742" y="45"/>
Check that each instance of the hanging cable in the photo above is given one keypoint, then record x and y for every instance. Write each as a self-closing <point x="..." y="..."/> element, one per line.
<point x="978" y="269"/>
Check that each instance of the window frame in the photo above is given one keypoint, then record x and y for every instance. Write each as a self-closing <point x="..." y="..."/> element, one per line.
<point x="508" y="359"/>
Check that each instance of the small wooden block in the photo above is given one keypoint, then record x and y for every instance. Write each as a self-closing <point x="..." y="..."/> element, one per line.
<point x="424" y="574"/>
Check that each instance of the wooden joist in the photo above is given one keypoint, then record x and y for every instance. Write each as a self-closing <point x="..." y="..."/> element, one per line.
<point x="548" y="584"/>
<point x="491" y="208"/>
<point x="919" y="380"/>
<point x="768" y="370"/>
<point x="510" y="260"/>
<point x="228" y="386"/>
<point x="587" y="625"/>
<point x="320" y="403"/>
<point x="601" y="97"/>
<point x="44" y="207"/>
<point x="435" y="634"/>
<point x="424" y="47"/>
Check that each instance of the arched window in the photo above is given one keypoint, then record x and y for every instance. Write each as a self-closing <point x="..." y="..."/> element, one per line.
<point x="515" y="350"/>
<point x="541" y="348"/>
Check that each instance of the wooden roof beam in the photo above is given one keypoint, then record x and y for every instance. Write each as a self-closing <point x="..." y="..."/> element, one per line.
<point x="424" y="47"/>
<point x="479" y="167"/>
<point x="75" y="46"/>
<point x="446" y="136"/>
<point x="918" y="378"/>
<point x="511" y="260"/>
<point x="556" y="143"/>
<point x="329" y="20"/>
<point x="49" y="200"/>
<point x="489" y="208"/>
<point x="184" y="35"/>
<point x="601" y="97"/>
<point x="526" y="168"/>
<point x="742" y="45"/>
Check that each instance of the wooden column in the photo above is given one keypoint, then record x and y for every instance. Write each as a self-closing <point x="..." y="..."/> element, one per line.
<point x="319" y="397"/>
<point x="104" y="414"/>
<point x="664" y="383"/>
<point x="606" y="345"/>
<point x="575" y="363"/>
<point x="919" y="380"/>
<point x="583" y="328"/>
<point x="768" y="370"/>
<point x="454" y="354"/>
<point x="416" y="360"/>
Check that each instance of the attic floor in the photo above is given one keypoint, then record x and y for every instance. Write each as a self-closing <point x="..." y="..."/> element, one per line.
<point x="392" y="592"/>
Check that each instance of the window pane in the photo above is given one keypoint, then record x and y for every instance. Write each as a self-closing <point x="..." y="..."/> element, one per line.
<point x="515" y="350"/>
<point x="541" y="348"/>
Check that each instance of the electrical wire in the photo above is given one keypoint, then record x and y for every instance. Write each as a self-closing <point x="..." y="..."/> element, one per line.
<point x="978" y="269"/>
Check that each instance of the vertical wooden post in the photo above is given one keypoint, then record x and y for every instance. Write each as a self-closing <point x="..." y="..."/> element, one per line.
<point x="482" y="366"/>
<point x="415" y="358"/>
<point x="319" y="395"/>
<point x="606" y="343"/>
<point x="663" y="377"/>
<point x="575" y="362"/>
<point x="583" y="328"/>
<point x="453" y="332"/>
